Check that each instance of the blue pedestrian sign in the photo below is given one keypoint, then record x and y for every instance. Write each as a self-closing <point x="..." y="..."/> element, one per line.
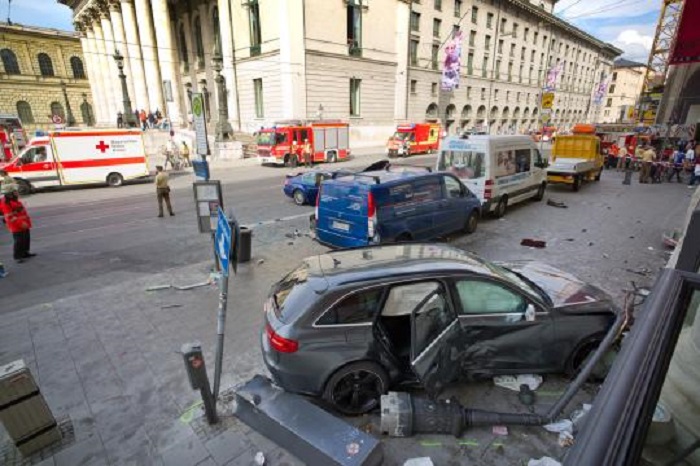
<point x="223" y="241"/>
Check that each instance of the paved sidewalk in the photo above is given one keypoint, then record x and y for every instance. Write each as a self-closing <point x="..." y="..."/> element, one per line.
<point x="107" y="363"/>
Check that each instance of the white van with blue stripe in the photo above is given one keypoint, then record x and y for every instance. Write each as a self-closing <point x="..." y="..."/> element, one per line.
<point x="500" y="170"/>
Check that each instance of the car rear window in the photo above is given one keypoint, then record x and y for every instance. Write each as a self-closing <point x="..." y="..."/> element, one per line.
<point x="290" y="292"/>
<point x="358" y="308"/>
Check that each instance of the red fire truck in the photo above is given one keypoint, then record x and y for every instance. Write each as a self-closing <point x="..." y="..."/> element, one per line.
<point x="11" y="129"/>
<point x="283" y="144"/>
<point x="416" y="138"/>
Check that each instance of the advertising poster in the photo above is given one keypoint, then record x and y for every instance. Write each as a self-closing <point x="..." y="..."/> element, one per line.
<point x="552" y="76"/>
<point x="452" y="62"/>
<point x="687" y="47"/>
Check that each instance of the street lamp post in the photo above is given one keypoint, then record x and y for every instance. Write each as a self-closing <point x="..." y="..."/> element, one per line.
<point x="223" y="127"/>
<point x="128" y="116"/>
<point x="70" y="119"/>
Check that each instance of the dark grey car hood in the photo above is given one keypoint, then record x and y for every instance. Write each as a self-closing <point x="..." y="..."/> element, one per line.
<point x="565" y="290"/>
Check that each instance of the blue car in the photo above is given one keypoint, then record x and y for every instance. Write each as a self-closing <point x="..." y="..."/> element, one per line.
<point x="393" y="205"/>
<point x="303" y="186"/>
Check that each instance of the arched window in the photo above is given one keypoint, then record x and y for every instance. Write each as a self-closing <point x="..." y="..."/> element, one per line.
<point x="466" y="112"/>
<point x="217" y="29"/>
<point x="57" y="109"/>
<point x="481" y="112"/>
<point x="432" y="111"/>
<point x="184" y="55"/>
<point x="494" y="113"/>
<point x="9" y="61"/>
<point x="199" y="47"/>
<point x="45" y="64"/>
<point x="24" y="110"/>
<point x="76" y="65"/>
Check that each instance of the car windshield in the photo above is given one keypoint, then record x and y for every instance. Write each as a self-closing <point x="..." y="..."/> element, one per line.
<point x="290" y="289"/>
<point x="401" y="136"/>
<point x="266" y="138"/>
<point x="463" y="164"/>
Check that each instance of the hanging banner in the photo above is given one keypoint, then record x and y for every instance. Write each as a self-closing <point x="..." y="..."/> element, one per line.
<point x="200" y="124"/>
<point x="687" y="47"/>
<point x="600" y="91"/>
<point x="552" y="76"/>
<point x="452" y="62"/>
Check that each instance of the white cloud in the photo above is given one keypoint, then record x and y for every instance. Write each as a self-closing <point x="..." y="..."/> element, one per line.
<point x="597" y="9"/>
<point x="635" y="44"/>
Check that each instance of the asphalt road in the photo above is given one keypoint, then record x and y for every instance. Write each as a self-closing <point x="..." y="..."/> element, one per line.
<point x="90" y="237"/>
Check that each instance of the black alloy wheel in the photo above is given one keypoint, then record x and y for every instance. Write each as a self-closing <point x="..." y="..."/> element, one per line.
<point x="356" y="389"/>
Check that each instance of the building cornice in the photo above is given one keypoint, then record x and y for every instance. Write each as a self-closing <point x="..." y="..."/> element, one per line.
<point x="38" y="31"/>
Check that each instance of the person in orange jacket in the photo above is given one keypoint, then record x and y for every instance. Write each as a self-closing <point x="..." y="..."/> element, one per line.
<point x="18" y="222"/>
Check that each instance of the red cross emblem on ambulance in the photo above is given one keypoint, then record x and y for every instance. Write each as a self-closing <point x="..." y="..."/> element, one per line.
<point x="102" y="147"/>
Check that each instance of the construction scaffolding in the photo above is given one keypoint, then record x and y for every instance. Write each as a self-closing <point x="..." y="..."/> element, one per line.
<point x="658" y="64"/>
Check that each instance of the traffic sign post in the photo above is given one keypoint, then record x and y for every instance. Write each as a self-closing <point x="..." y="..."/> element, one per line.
<point x="226" y="241"/>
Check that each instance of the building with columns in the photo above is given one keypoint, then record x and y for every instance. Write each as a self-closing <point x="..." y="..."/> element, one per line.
<point x="43" y="75"/>
<point x="374" y="63"/>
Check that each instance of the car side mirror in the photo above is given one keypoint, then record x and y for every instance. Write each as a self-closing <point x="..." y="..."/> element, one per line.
<point x="530" y="313"/>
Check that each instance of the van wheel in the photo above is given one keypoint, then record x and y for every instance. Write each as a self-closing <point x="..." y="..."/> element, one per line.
<point x="299" y="198"/>
<point x="356" y="388"/>
<point x="501" y="207"/>
<point x="24" y="187"/>
<point x="472" y="222"/>
<point x="333" y="157"/>
<point x="115" y="180"/>
<point x="577" y="183"/>
<point x="540" y="192"/>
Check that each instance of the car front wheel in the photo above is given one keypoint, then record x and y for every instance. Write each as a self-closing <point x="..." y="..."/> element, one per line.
<point x="299" y="198"/>
<point x="356" y="388"/>
<point x="472" y="222"/>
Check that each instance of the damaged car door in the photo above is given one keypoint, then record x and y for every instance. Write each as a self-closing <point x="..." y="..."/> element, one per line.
<point x="435" y="333"/>
<point x="502" y="330"/>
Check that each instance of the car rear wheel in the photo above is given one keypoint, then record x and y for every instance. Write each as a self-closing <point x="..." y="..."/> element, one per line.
<point x="299" y="198"/>
<point x="115" y="180"/>
<point x="472" y="222"/>
<point x="501" y="207"/>
<point x="540" y="192"/>
<point x="577" y="183"/>
<point x="581" y="356"/>
<point x="356" y="388"/>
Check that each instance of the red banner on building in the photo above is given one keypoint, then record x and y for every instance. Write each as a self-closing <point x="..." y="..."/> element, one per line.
<point x="687" y="48"/>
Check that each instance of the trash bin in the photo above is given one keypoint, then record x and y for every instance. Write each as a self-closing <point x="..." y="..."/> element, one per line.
<point x="246" y="244"/>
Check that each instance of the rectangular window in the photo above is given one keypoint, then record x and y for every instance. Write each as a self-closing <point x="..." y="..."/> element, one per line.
<point x="358" y="308"/>
<point x="254" y="23"/>
<point x="469" y="92"/>
<point x="434" y="56"/>
<point x="355" y="96"/>
<point x="487" y="44"/>
<point x="507" y="96"/>
<point x="458" y="8"/>
<point x="354" y="25"/>
<point x="415" y="21"/>
<point x="517" y="96"/>
<point x="529" y="75"/>
<point x="609" y="102"/>
<point x="413" y="49"/>
<point x="489" y="20"/>
<point x="497" y="70"/>
<point x="495" y="95"/>
<point x="512" y="50"/>
<point x="414" y="85"/>
<point x="532" y="55"/>
<point x="475" y="14"/>
<point x="438" y="5"/>
<point x="522" y="53"/>
<point x="433" y="89"/>
<point x="472" y="38"/>
<point x="436" y="27"/>
<point x="614" y="76"/>
<point x="544" y="41"/>
<point x="259" y="105"/>
<point x="612" y="89"/>
<point x="515" y="30"/>
<point x="484" y="67"/>
<point x="534" y="38"/>
<point x="500" y="46"/>
<point x="520" y="77"/>
<point x="470" y="63"/>
<point x="503" y="25"/>
<point x="483" y="93"/>
<point x="526" y="33"/>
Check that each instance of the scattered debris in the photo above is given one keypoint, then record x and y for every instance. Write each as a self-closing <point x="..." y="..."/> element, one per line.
<point x="631" y="237"/>
<point x="578" y="415"/>
<point x="526" y="395"/>
<point x="290" y="243"/>
<point x="584" y="230"/>
<point x="554" y="203"/>
<point x="297" y="233"/>
<point x="500" y="430"/>
<point x="184" y="287"/>
<point x="544" y="461"/>
<point x="644" y="272"/>
<point x="566" y="439"/>
<point x="422" y="461"/>
<point x="564" y="425"/>
<point x="605" y="256"/>
<point x="671" y="238"/>
<point x="289" y="235"/>
<point x="533" y="243"/>
<point x="259" y="458"/>
<point x="591" y="243"/>
<point x="570" y="239"/>
<point x="261" y="261"/>
<point x="170" y="306"/>
<point x="514" y="382"/>
<point x="651" y="248"/>
<point x="158" y="287"/>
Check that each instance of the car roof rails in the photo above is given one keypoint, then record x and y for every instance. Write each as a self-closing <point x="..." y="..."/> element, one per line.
<point x="376" y="179"/>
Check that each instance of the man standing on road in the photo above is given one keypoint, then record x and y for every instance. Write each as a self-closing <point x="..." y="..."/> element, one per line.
<point x="163" y="191"/>
<point x="306" y="150"/>
<point x="621" y="158"/>
<point x="185" y="152"/>
<point x="695" y="175"/>
<point x="18" y="222"/>
<point x="648" y="156"/>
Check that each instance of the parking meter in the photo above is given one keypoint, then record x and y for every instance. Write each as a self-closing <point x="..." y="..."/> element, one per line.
<point x="197" y="375"/>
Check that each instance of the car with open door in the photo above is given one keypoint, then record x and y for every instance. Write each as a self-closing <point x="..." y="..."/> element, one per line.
<point x="348" y="325"/>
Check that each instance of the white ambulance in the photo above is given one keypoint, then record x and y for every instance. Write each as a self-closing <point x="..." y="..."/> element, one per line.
<point x="80" y="157"/>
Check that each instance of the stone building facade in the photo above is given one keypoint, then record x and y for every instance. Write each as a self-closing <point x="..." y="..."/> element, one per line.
<point x="43" y="73"/>
<point x="623" y="92"/>
<point x="372" y="63"/>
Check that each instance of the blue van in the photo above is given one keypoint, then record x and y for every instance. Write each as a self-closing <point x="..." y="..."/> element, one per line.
<point x="396" y="204"/>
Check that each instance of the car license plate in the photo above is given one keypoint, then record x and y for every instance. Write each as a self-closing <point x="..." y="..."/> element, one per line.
<point x="340" y="226"/>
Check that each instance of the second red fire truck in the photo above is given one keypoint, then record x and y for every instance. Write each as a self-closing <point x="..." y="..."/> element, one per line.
<point x="283" y="144"/>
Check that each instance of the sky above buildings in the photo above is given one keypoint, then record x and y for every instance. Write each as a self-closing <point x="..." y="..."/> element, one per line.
<point x="628" y="24"/>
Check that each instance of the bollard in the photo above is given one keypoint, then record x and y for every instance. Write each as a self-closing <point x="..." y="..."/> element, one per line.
<point x="628" y="177"/>
<point x="246" y="245"/>
<point x="197" y="375"/>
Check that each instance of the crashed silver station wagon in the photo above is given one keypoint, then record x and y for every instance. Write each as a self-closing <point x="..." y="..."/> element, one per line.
<point x="346" y="326"/>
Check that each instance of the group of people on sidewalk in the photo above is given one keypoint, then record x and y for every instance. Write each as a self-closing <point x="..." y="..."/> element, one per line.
<point x="145" y="120"/>
<point x="654" y="167"/>
<point x="16" y="219"/>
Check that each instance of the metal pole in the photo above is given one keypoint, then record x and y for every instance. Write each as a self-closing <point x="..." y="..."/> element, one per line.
<point x="220" y="327"/>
